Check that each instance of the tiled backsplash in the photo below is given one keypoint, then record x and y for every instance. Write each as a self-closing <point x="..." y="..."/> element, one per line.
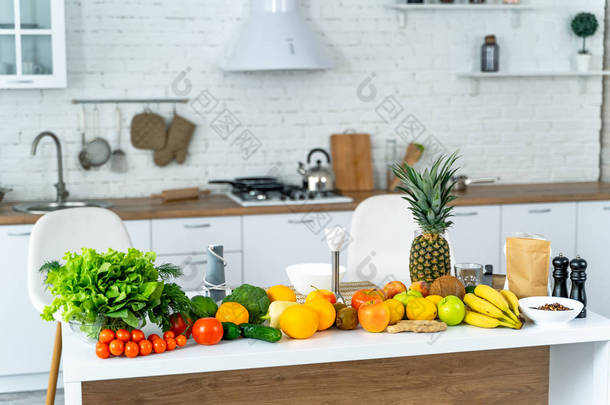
<point x="389" y="81"/>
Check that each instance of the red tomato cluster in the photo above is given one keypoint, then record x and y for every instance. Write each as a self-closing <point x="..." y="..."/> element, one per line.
<point x="135" y="344"/>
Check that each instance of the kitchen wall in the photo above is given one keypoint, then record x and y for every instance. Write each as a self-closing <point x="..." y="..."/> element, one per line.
<point x="605" y="133"/>
<point x="528" y="130"/>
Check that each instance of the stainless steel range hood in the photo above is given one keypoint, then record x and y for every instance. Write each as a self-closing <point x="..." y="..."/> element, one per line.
<point x="276" y="37"/>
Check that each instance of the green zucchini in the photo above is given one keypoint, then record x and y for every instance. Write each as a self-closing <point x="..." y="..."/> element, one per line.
<point x="260" y="332"/>
<point x="231" y="331"/>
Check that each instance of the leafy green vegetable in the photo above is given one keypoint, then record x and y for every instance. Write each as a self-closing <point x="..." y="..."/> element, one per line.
<point x="122" y="288"/>
<point x="173" y="300"/>
<point x="253" y="298"/>
<point x="203" y="307"/>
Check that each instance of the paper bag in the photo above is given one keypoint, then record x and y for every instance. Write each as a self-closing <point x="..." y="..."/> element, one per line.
<point x="527" y="266"/>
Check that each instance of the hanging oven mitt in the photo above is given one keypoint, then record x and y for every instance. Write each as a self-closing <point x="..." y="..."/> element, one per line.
<point x="179" y="136"/>
<point x="148" y="131"/>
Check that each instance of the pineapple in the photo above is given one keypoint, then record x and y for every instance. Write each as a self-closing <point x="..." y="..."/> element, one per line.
<point x="428" y="194"/>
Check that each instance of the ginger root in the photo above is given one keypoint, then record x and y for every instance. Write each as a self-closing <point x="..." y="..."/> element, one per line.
<point x="417" y="327"/>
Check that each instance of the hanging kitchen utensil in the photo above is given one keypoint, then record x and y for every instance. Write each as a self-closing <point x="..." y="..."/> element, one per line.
<point x="317" y="178"/>
<point x="148" y="131"/>
<point x="83" y="158"/>
<point x="118" y="162"/>
<point x="98" y="149"/>
<point x="412" y="156"/>
<point x="178" y="138"/>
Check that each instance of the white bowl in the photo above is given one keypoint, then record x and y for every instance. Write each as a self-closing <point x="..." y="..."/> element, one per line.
<point x="542" y="317"/>
<point x="306" y="277"/>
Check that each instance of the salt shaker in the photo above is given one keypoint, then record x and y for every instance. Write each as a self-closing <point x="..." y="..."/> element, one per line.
<point x="560" y="275"/>
<point x="578" y="277"/>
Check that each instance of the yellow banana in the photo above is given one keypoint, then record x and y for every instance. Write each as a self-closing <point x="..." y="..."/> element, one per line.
<point x="482" y="306"/>
<point x="484" y="321"/>
<point x="497" y="299"/>
<point x="512" y="299"/>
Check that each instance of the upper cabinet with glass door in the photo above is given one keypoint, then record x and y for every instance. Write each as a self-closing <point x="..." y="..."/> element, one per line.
<point x="32" y="44"/>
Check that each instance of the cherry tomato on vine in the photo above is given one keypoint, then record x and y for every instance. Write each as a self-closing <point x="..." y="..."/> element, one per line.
<point x="145" y="347"/>
<point x="132" y="349"/>
<point x="159" y="345"/>
<point x="169" y="334"/>
<point x="181" y="340"/>
<point x="102" y="350"/>
<point x="171" y="344"/>
<point x="116" y="347"/>
<point x="137" y="335"/>
<point x="123" y="335"/>
<point x="106" y="336"/>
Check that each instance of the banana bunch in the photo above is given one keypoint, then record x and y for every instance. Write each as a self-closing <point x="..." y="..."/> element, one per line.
<point x="490" y="308"/>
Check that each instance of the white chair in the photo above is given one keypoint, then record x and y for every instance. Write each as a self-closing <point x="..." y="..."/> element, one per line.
<point x="53" y="235"/>
<point x="382" y="232"/>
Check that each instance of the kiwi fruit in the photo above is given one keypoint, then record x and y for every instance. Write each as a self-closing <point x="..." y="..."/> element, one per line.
<point x="339" y="306"/>
<point x="347" y="318"/>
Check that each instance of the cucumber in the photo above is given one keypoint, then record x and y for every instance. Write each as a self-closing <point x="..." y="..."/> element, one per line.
<point x="260" y="332"/>
<point x="231" y="331"/>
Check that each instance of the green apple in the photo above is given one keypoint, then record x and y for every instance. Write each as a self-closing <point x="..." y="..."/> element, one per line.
<point x="406" y="296"/>
<point x="451" y="310"/>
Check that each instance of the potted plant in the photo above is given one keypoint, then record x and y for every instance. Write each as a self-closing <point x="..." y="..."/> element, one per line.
<point x="584" y="25"/>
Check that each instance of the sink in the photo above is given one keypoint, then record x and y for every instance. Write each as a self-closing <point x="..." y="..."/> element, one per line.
<point x="43" y="207"/>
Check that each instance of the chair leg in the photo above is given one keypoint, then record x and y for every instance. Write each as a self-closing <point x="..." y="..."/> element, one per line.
<point x="52" y="388"/>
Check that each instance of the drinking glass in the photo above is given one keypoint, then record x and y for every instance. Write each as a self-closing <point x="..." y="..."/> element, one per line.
<point x="470" y="274"/>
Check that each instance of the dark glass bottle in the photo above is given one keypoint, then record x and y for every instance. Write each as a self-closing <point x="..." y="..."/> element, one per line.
<point x="490" y="55"/>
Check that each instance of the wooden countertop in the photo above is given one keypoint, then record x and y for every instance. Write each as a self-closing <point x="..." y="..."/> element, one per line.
<point x="220" y="205"/>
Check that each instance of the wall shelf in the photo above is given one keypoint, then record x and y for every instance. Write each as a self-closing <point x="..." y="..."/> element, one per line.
<point x="476" y="77"/>
<point x="515" y="9"/>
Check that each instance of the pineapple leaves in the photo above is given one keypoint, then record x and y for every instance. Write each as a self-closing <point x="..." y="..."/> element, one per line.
<point x="429" y="192"/>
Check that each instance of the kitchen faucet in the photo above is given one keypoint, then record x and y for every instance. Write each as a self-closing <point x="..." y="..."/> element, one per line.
<point x="62" y="193"/>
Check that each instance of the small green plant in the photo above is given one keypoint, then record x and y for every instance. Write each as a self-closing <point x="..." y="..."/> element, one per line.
<point x="584" y="25"/>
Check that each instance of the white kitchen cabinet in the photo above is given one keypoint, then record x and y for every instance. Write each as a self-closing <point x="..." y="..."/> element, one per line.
<point x="194" y="268"/>
<point x="555" y="221"/>
<point x="32" y="44"/>
<point x="593" y="243"/>
<point x="140" y="234"/>
<point x="272" y="242"/>
<point x="193" y="235"/>
<point x="30" y="353"/>
<point x="475" y="235"/>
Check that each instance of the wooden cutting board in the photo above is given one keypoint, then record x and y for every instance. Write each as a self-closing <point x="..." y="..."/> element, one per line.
<point x="352" y="162"/>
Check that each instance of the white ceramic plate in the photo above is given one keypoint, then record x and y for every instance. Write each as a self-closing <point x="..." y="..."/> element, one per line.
<point x="305" y="275"/>
<point x="548" y="317"/>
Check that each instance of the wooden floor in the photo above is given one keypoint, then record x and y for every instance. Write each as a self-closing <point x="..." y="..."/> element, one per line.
<point x="513" y="376"/>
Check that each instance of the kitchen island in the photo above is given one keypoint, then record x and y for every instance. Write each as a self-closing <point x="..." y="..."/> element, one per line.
<point x="562" y="364"/>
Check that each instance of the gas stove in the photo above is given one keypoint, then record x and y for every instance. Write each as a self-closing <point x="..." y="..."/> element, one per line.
<point x="288" y="195"/>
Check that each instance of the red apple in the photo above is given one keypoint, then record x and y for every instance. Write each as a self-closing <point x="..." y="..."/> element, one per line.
<point x="420" y="286"/>
<point x="392" y="288"/>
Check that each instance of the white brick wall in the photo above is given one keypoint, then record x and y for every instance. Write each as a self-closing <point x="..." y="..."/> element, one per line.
<point x="521" y="130"/>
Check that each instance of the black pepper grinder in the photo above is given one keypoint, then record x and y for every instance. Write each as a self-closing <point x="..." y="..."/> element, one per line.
<point x="560" y="275"/>
<point x="578" y="277"/>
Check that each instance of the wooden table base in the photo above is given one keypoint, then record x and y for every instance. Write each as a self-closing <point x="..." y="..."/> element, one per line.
<point x="511" y="376"/>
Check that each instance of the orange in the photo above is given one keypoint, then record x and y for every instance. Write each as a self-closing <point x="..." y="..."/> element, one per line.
<point x="421" y="309"/>
<point x="397" y="310"/>
<point x="299" y="321"/>
<point x="434" y="298"/>
<point x="325" y="310"/>
<point x="232" y="312"/>
<point x="374" y="317"/>
<point x="281" y="293"/>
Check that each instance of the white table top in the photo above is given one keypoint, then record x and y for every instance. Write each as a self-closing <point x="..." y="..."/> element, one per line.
<point x="81" y="364"/>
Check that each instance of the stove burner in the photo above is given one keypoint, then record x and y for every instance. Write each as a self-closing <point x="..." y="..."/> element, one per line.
<point x="288" y="194"/>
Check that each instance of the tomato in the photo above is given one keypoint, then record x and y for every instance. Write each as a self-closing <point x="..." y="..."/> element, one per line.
<point x="367" y="295"/>
<point x="145" y="347"/>
<point x="159" y="345"/>
<point x="123" y="335"/>
<point x="153" y="337"/>
<point x="116" y="347"/>
<point x="181" y="340"/>
<point x="137" y="335"/>
<point x="131" y="349"/>
<point x="171" y="343"/>
<point x="181" y="323"/>
<point x="169" y="334"/>
<point x="207" y="331"/>
<point x="106" y="336"/>
<point x="102" y="350"/>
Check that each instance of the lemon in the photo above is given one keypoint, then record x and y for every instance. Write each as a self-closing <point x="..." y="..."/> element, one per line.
<point x="281" y="293"/>
<point x="396" y="308"/>
<point x="325" y="310"/>
<point x="421" y="309"/>
<point x="434" y="298"/>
